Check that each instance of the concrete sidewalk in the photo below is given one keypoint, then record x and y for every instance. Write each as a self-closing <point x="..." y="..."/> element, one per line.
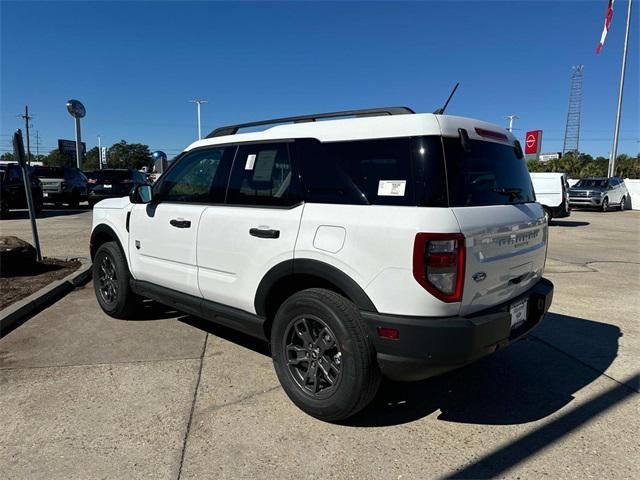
<point x="169" y="396"/>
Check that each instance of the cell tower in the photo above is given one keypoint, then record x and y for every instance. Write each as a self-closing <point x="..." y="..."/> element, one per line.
<point x="572" y="130"/>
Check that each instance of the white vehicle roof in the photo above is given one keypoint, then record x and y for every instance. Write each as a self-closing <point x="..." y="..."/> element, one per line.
<point x="388" y="126"/>
<point x="547" y="174"/>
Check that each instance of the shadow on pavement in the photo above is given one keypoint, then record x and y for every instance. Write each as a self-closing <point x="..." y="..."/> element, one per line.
<point x="568" y="223"/>
<point x="46" y="213"/>
<point x="497" y="462"/>
<point x="525" y="382"/>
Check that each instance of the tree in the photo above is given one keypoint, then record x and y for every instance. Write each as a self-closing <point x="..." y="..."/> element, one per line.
<point x="58" y="159"/>
<point x="128" y="155"/>
<point x="536" y="166"/>
<point x="92" y="159"/>
<point x="7" y="157"/>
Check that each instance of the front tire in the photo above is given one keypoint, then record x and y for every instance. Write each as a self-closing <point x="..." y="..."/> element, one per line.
<point x="323" y="356"/>
<point x="605" y="204"/>
<point x="74" y="202"/>
<point x="111" y="282"/>
<point x="623" y="203"/>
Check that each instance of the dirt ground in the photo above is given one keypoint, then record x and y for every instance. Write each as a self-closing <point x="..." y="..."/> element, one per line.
<point x="17" y="287"/>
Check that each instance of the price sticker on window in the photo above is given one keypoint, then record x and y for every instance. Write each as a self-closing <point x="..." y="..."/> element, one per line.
<point x="251" y="162"/>
<point x="391" y="188"/>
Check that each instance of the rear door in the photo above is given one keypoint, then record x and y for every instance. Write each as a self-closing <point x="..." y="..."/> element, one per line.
<point x="505" y="230"/>
<point x="239" y="242"/>
<point x="163" y="235"/>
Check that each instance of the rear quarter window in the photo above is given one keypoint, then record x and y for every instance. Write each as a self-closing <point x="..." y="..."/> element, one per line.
<point x="488" y="174"/>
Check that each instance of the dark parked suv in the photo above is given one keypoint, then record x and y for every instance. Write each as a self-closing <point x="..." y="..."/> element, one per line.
<point x="62" y="185"/>
<point x="599" y="192"/>
<point x="12" y="189"/>
<point x="113" y="183"/>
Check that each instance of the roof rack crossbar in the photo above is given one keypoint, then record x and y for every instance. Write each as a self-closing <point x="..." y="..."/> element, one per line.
<point x="367" y="112"/>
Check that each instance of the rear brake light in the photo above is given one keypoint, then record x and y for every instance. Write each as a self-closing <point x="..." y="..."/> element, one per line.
<point x="491" y="134"/>
<point x="438" y="264"/>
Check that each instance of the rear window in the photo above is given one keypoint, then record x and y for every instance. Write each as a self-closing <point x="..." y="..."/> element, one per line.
<point x="488" y="174"/>
<point x="49" y="172"/>
<point x="111" y="176"/>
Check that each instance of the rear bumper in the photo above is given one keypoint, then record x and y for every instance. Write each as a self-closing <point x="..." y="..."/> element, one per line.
<point x="560" y="212"/>
<point x="429" y="346"/>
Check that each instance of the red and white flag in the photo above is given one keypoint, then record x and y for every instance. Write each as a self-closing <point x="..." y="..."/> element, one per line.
<point x="607" y="23"/>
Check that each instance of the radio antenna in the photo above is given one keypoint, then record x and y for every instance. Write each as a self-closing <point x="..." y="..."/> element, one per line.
<point x="440" y="111"/>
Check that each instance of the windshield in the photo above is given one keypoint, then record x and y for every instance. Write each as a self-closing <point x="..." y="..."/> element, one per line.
<point x="49" y="172"/>
<point x="488" y="174"/>
<point x="592" y="183"/>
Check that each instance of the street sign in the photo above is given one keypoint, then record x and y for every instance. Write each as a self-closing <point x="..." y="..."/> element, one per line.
<point x="103" y="155"/>
<point x="533" y="144"/>
<point x="68" y="147"/>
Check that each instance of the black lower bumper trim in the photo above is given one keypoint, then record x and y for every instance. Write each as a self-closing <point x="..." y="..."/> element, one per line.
<point x="429" y="346"/>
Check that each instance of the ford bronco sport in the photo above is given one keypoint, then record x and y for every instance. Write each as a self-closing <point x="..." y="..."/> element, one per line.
<point x="375" y="242"/>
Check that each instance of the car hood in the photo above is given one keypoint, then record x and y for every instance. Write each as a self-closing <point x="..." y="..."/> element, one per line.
<point x="114" y="203"/>
<point x="590" y="189"/>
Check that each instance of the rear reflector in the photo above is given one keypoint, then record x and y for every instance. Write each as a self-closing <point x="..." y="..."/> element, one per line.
<point x="438" y="264"/>
<point x="390" y="333"/>
<point x="491" y="134"/>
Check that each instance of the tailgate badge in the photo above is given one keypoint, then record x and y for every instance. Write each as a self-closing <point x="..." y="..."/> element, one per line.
<point x="479" y="276"/>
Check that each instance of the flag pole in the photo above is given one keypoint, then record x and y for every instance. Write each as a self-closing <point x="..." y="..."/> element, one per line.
<point x="614" y="150"/>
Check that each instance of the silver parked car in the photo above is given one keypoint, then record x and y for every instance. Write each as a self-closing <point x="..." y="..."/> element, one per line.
<point x="599" y="192"/>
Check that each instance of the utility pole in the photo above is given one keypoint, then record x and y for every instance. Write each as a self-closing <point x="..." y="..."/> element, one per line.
<point x="37" y="144"/>
<point x="511" y="118"/>
<point x="26" y="118"/>
<point x="614" y="150"/>
<point x="199" y="102"/>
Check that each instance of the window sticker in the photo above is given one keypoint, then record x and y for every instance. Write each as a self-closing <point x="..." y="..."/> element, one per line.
<point x="251" y="161"/>
<point x="264" y="165"/>
<point x="391" y="188"/>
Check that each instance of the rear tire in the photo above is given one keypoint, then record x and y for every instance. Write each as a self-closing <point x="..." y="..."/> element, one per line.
<point x="323" y="356"/>
<point x="111" y="282"/>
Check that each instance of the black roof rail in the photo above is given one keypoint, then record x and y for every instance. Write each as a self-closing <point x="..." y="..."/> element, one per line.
<point x="367" y="112"/>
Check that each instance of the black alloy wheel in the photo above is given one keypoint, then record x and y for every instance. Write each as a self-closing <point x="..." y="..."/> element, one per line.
<point x="313" y="356"/>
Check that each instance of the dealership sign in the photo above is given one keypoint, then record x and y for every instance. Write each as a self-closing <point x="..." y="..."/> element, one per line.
<point x="68" y="147"/>
<point x="533" y="144"/>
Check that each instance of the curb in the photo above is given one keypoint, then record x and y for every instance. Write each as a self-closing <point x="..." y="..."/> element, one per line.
<point x="19" y="312"/>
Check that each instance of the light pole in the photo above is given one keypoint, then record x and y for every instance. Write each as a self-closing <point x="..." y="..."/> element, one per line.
<point x="199" y="102"/>
<point x="511" y="118"/>
<point x="77" y="111"/>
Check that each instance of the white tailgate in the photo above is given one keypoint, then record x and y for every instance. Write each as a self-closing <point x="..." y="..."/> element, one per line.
<point x="506" y="249"/>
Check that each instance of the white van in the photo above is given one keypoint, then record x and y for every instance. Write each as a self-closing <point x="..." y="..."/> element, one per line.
<point x="552" y="192"/>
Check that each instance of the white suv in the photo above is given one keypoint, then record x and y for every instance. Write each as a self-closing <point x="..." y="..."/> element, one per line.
<point x="388" y="243"/>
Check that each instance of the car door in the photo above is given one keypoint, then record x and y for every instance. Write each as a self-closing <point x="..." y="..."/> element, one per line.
<point x="256" y="229"/>
<point x="163" y="234"/>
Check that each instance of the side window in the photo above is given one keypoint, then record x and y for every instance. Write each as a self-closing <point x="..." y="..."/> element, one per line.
<point x="199" y="177"/>
<point x="376" y="171"/>
<point x="263" y="175"/>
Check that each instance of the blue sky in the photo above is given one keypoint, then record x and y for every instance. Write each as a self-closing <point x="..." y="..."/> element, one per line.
<point x="135" y="65"/>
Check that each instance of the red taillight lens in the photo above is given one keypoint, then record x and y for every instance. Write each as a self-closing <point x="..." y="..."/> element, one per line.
<point x="438" y="264"/>
<point x="390" y="333"/>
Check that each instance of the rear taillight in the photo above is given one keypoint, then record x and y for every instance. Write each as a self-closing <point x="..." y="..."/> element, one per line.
<point x="438" y="264"/>
<point x="91" y="180"/>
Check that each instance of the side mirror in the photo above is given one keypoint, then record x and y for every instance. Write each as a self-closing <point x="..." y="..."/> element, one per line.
<point x="141" y="194"/>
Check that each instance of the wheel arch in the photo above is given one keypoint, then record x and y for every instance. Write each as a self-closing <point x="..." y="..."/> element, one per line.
<point x="101" y="235"/>
<point x="291" y="276"/>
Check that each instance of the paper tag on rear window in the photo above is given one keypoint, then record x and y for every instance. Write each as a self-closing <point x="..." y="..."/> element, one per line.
<point x="391" y="188"/>
<point x="251" y="161"/>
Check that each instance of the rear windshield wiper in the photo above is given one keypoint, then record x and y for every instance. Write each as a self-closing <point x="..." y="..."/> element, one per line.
<point x="512" y="193"/>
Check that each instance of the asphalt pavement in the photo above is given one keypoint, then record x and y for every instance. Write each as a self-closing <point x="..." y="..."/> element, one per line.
<point x="171" y="396"/>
